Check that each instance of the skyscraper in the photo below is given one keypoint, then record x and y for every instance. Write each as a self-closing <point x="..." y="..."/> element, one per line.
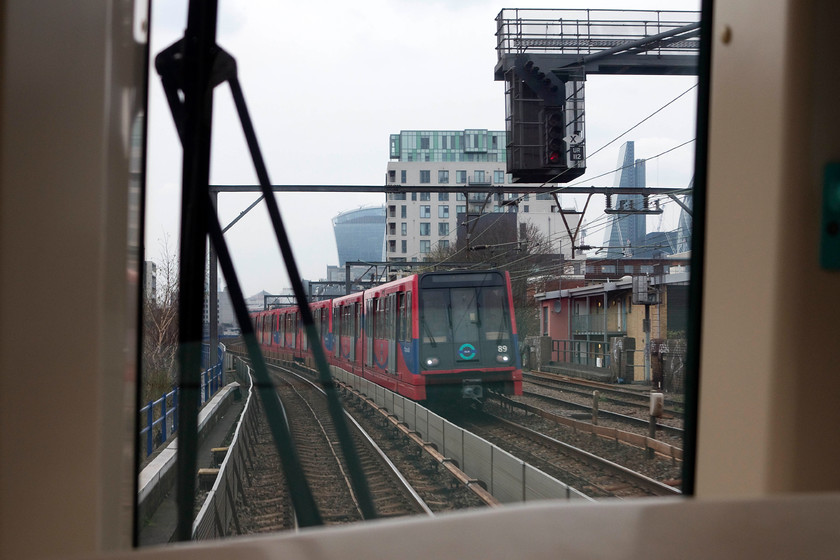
<point x="360" y="234"/>
<point x="627" y="230"/>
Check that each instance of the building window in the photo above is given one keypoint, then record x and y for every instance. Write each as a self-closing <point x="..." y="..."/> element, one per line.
<point x="414" y="196"/>
<point x="443" y="244"/>
<point x="392" y="246"/>
<point x="392" y="211"/>
<point x="461" y="209"/>
<point x="402" y="211"/>
<point x="608" y="268"/>
<point x="443" y="176"/>
<point x="444" y="142"/>
<point x="526" y="208"/>
<point x="628" y="269"/>
<point x="498" y="176"/>
<point x="398" y="196"/>
<point x="425" y="228"/>
<point x="425" y="211"/>
<point x="461" y="177"/>
<point x="425" y="246"/>
<point x="392" y="228"/>
<point x="478" y="176"/>
<point x="443" y="211"/>
<point x="443" y="196"/>
<point x="424" y="143"/>
<point x="404" y="246"/>
<point x="646" y="269"/>
<point x="425" y="176"/>
<point x="460" y="196"/>
<point x="443" y="228"/>
<point x="545" y="320"/>
<point x="404" y="228"/>
<point x="425" y="196"/>
<point x="402" y="176"/>
<point x="392" y="175"/>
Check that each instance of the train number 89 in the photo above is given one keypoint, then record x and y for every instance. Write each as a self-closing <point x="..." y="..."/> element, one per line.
<point x="502" y="349"/>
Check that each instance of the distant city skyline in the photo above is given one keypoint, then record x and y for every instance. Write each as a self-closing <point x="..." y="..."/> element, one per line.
<point x="434" y="71"/>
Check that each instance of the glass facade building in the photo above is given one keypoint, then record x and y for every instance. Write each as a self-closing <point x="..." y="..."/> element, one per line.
<point x="628" y="230"/>
<point x="448" y="145"/>
<point x="360" y="235"/>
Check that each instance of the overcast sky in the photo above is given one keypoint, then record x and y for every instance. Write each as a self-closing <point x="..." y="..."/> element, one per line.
<point x="327" y="82"/>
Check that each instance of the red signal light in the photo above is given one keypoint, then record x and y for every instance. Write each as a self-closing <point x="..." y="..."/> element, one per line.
<point x="554" y="157"/>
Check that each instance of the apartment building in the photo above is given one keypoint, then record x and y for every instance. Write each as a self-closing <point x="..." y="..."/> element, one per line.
<point x="442" y="161"/>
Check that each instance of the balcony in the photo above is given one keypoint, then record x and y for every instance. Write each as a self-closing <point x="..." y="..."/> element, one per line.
<point x="594" y="324"/>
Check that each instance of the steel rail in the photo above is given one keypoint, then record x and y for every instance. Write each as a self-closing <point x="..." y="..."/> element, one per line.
<point x="606" y="413"/>
<point x="637" y="479"/>
<point x="406" y="486"/>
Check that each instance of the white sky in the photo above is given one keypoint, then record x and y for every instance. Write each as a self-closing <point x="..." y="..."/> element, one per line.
<point x="327" y="82"/>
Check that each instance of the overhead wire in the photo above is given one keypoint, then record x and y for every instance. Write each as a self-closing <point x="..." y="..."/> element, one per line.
<point x="560" y="189"/>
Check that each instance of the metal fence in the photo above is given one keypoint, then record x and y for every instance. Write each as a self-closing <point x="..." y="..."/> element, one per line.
<point x="507" y="478"/>
<point x="219" y="509"/>
<point x="581" y="352"/>
<point x="160" y="417"/>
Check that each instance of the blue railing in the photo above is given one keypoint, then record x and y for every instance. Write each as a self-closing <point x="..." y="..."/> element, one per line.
<point x="212" y="379"/>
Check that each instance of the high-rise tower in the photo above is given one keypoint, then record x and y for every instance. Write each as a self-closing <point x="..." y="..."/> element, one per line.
<point x="627" y="230"/>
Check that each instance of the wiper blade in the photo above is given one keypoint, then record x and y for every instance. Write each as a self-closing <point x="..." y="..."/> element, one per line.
<point x="429" y="332"/>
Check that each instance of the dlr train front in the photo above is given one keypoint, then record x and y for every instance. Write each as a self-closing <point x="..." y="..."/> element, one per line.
<point x="468" y="341"/>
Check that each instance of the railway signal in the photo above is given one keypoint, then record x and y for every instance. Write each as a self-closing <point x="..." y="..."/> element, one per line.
<point x="553" y="132"/>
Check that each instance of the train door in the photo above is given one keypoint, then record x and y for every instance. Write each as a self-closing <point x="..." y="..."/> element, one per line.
<point x="370" y="330"/>
<point x="357" y="331"/>
<point x="336" y="311"/>
<point x="304" y="340"/>
<point x="464" y="317"/>
<point x="272" y="334"/>
<point x="348" y="336"/>
<point x="403" y="327"/>
<point x="391" y="331"/>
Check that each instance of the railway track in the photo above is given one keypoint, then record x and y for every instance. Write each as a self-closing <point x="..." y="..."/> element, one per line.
<point x="634" y="423"/>
<point x="585" y="470"/>
<point x="404" y="478"/>
<point x="634" y="401"/>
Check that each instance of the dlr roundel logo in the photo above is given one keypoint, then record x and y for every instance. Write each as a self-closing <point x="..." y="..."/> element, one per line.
<point x="467" y="351"/>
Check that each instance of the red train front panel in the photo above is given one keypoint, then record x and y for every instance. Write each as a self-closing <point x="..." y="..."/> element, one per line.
<point x="468" y="340"/>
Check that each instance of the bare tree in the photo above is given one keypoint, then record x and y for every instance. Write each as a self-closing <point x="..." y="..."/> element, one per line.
<point x="160" y="327"/>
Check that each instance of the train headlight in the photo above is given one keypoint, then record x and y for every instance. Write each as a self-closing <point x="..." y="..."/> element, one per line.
<point x="503" y="358"/>
<point x="432" y="362"/>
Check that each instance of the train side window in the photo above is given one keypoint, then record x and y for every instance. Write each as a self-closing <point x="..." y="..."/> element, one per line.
<point x="390" y="326"/>
<point x="408" y="324"/>
<point x="401" y="317"/>
<point x="377" y="318"/>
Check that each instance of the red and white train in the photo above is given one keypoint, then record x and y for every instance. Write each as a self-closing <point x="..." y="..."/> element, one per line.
<point x="433" y="336"/>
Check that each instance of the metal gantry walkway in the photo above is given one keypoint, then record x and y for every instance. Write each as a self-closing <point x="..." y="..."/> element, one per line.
<point x="600" y="41"/>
